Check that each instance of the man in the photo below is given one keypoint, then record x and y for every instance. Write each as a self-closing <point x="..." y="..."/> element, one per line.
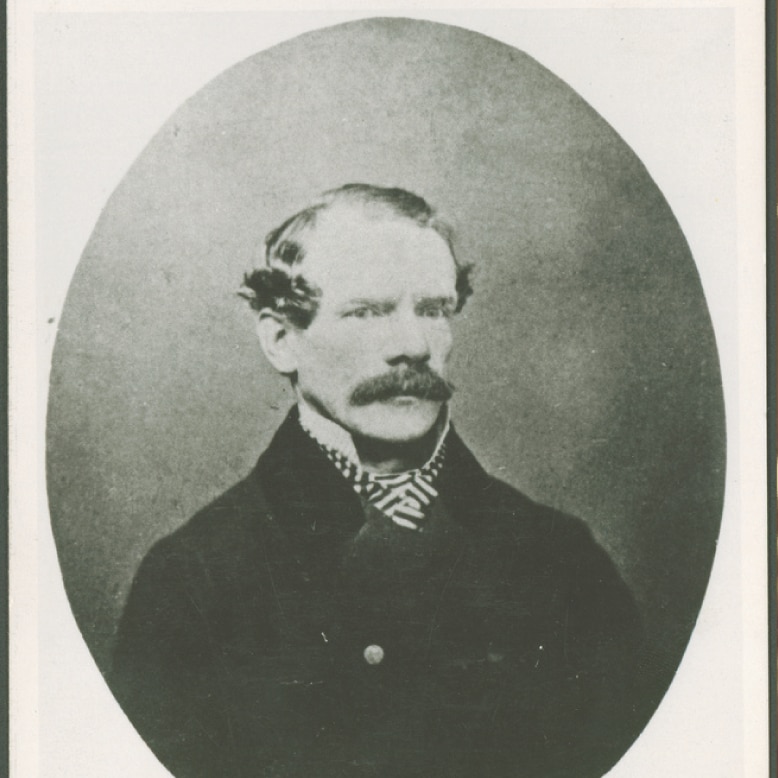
<point x="368" y="601"/>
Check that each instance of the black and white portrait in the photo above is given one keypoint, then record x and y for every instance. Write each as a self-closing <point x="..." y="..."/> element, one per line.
<point x="388" y="430"/>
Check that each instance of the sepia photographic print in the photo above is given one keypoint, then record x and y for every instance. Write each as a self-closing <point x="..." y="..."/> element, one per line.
<point x="394" y="390"/>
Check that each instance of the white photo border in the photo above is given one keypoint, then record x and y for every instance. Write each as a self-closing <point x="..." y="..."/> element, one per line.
<point x="107" y="79"/>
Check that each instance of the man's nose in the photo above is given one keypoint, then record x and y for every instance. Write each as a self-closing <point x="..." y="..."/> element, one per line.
<point x="408" y="339"/>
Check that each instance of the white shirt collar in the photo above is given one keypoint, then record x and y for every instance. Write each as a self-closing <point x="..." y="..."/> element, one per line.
<point x="332" y="435"/>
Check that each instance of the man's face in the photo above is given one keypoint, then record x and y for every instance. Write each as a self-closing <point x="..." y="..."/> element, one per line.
<point x="388" y="291"/>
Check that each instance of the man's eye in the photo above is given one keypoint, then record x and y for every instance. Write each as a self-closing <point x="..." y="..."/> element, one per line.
<point x="436" y="312"/>
<point x="361" y="313"/>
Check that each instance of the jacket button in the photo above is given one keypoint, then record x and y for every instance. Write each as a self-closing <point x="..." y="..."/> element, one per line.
<point x="373" y="654"/>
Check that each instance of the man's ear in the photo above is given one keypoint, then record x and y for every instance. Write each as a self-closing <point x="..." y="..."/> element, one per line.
<point x="276" y="336"/>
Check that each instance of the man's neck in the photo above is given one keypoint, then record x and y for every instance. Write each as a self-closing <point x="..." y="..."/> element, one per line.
<point x="375" y="456"/>
<point x="378" y="456"/>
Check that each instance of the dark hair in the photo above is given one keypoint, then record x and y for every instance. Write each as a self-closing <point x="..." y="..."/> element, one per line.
<point x="278" y="287"/>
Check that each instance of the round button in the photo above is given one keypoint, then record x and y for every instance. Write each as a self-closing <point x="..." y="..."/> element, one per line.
<point x="373" y="654"/>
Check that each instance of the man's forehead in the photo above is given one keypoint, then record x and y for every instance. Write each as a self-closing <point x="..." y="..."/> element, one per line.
<point x="348" y="239"/>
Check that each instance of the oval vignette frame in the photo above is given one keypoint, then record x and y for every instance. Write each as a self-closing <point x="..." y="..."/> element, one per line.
<point x="586" y="364"/>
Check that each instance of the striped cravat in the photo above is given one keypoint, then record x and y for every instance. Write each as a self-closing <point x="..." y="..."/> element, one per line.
<point x="404" y="497"/>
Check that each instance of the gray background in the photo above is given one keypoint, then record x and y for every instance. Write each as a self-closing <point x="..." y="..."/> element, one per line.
<point x="586" y="364"/>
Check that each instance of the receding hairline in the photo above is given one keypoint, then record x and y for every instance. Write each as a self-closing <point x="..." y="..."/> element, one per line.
<point x="345" y="221"/>
<point x="287" y="242"/>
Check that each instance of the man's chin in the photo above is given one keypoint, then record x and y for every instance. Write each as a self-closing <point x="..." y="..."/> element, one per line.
<point x="401" y="419"/>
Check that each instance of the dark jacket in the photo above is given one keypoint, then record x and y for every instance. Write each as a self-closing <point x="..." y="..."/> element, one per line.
<point x="507" y="637"/>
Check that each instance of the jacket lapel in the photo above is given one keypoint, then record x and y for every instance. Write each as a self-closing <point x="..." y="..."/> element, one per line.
<point x="463" y="484"/>
<point x="303" y="488"/>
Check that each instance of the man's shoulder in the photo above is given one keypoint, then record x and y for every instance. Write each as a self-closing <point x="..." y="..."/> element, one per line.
<point x="224" y="529"/>
<point x="237" y="523"/>
<point x="476" y="493"/>
<point x="527" y="518"/>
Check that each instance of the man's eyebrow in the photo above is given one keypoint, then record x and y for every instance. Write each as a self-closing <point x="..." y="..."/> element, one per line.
<point x="382" y="304"/>
<point x="441" y="301"/>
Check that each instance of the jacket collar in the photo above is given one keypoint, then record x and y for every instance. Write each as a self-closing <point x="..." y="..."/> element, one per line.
<point x="306" y="490"/>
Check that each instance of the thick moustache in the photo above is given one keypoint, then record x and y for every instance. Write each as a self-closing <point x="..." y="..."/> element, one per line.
<point x="416" y="381"/>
